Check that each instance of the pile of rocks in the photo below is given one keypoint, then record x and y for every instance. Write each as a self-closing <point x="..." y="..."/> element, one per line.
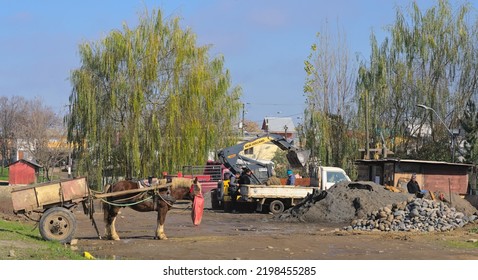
<point x="369" y="206"/>
<point x="413" y="215"/>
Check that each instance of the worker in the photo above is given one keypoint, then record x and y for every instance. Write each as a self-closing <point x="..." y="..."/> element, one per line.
<point x="245" y="178"/>
<point x="290" y="178"/>
<point x="233" y="189"/>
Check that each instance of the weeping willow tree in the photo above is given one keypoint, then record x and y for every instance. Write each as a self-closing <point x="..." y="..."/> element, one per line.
<point x="147" y="100"/>
<point x="430" y="59"/>
<point x="329" y="88"/>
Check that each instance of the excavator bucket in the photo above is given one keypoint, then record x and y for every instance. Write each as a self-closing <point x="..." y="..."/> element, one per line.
<point x="298" y="159"/>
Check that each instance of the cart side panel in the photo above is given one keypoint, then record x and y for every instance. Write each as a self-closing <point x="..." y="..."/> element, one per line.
<point x="74" y="189"/>
<point x="49" y="194"/>
<point x="24" y="199"/>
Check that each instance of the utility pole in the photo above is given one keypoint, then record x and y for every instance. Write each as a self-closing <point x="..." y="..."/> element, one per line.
<point x="242" y="122"/>
<point x="367" y="136"/>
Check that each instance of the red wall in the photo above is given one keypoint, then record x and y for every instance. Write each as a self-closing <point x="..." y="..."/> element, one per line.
<point x="21" y="173"/>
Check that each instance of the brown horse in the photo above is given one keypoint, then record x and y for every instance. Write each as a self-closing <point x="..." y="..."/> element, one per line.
<point x="160" y="199"/>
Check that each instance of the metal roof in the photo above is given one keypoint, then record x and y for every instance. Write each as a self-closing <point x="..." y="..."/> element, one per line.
<point x="411" y="161"/>
<point x="27" y="162"/>
<point x="278" y="125"/>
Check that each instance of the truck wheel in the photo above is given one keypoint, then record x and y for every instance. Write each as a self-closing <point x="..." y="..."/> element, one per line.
<point x="58" y="224"/>
<point x="220" y="191"/>
<point x="227" y="206"/>
<point x="214" y="200"/>
<point x="276" y="207"/>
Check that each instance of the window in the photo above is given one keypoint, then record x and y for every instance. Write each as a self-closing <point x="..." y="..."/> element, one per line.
<point x="249" y="151"/>
<point x="335" y="177"/>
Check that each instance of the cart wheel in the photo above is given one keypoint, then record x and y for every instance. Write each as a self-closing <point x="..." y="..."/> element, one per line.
<point x="58" y="224"/>
<point x="276" y="207"/>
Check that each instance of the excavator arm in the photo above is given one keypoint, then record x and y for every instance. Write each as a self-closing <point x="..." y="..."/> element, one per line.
<point x="233" y="160"/>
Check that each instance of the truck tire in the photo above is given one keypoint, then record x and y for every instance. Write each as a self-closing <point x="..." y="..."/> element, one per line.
<point x="58" y="224"/>
<point x="220" y="191"/>
<point x="227" y="206"/>
<point x="214" y="200"/>
<point x="276" y="207"/>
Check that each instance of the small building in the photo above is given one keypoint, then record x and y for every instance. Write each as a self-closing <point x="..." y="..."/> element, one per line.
<point x="23" y="172"/>
<point x="431" y="175"/>
<point x="281" y="126"/>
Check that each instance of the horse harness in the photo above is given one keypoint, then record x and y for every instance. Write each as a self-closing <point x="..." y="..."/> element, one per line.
<point x="155" y="194"/>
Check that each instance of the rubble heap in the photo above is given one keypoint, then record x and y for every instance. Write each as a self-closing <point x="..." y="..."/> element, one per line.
<point x="413" y="215"/>
<point x="366" y="206"/>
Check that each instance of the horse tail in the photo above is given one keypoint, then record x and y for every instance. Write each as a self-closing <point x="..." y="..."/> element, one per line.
<point x="106" y="206"/>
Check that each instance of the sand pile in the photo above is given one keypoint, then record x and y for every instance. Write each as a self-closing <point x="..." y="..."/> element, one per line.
<point x="346" y="202"/>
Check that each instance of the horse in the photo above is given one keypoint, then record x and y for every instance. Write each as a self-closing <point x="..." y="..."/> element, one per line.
<point x="160" y="199"/>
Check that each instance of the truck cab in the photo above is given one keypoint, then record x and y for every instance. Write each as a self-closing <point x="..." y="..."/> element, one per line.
<point x="330" y="175"/>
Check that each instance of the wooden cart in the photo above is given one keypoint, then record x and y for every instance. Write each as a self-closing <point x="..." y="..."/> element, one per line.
<point x="54" y="202"/>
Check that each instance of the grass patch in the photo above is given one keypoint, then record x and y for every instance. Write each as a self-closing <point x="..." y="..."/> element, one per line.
<point x="21" y="241"/>
<point x="463" y="244"/>
<point x="3" y="174"/>
<point x="474" y="230"/>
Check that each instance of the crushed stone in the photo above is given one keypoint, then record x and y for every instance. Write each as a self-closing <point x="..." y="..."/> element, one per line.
<point x="348" y="201"/>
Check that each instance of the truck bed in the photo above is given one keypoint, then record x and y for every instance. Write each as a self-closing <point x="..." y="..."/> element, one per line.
<point x="275" y="191"/>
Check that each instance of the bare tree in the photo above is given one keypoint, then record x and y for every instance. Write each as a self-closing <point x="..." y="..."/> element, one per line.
<point x="11" y="113"/>
<point x="329" y="89"/>
<point x="251" y="126"/>
<point x="44" y="136"/>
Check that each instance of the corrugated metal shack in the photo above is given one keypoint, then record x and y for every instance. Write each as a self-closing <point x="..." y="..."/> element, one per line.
<point x="431" y="175"/>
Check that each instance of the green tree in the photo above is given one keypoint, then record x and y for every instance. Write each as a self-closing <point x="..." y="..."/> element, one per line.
<point x="147" y="100"/>
<point x="428" y="59"/>
<point x="469" y="122"/>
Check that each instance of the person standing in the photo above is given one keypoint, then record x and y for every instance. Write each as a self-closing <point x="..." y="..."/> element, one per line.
<point x="245" y="178"/>
<point x="290" y="178"/>
<point x="233" y="189"/>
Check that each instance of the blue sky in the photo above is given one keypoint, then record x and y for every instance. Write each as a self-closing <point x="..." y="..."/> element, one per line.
<point x="264" y="42"/>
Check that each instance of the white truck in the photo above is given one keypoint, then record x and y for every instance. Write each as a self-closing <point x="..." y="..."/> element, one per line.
<point x="329" y="176"/>
<point x="278" y="198"/>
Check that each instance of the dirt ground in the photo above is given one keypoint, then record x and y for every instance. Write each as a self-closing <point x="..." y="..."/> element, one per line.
<point x="254" y="236"/>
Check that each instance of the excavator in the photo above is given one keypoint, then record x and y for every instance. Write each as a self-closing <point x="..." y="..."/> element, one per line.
<point x="232" y="158"/>
<point x="235" y="160"/>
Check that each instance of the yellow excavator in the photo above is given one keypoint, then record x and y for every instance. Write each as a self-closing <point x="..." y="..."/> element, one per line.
<point x="235" y="160"/>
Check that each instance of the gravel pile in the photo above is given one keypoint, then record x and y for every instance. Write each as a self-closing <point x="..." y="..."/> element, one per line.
<point x="342" y="203"/>
<point x="366" y="206"/>
<point x="415" y="215"/>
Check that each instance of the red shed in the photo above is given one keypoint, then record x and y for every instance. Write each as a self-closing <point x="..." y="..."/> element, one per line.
<point x="23" y="172"/>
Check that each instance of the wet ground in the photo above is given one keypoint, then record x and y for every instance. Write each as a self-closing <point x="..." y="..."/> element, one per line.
<point x="253" y="236"/>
